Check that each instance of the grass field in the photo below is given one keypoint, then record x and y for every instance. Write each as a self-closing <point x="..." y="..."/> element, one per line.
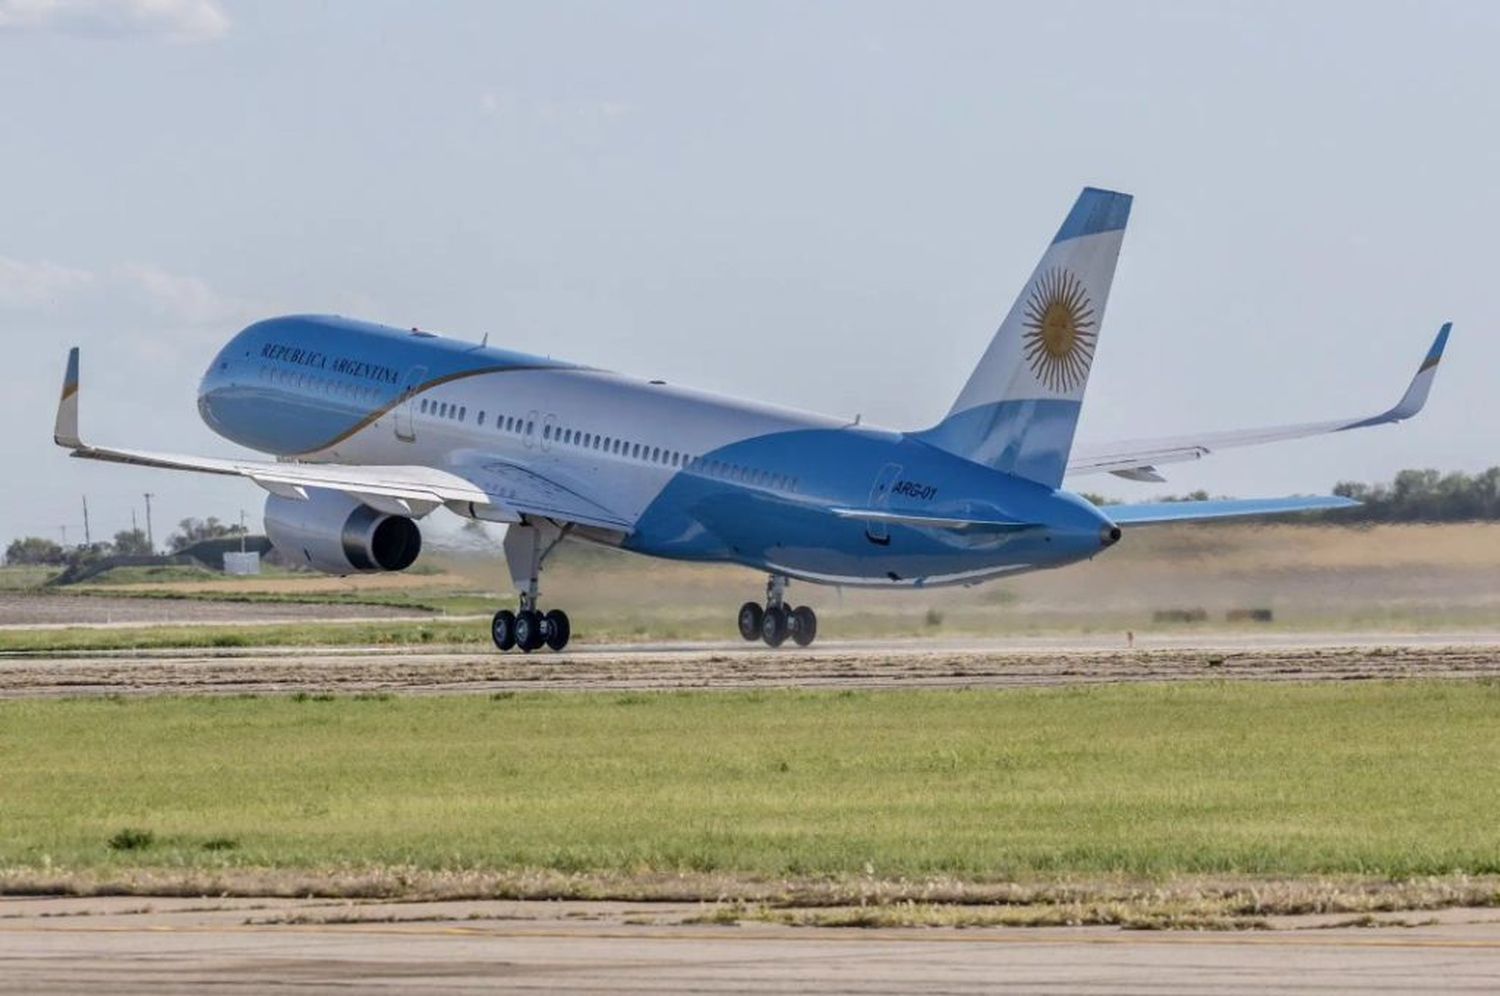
<point x="1373" y="779"/>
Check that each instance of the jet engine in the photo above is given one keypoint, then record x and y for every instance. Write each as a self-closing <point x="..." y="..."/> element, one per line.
<point x="333" y="533"/>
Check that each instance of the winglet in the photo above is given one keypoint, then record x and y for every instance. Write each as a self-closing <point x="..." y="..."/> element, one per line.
<point x="1416" y="393"/>
<point x="65" y="429"/>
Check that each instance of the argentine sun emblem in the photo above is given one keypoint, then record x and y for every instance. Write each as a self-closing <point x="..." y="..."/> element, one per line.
<point x="1060" y="330"/>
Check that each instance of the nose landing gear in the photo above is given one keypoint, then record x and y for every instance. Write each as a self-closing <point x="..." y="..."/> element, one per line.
<point x="776" y="622"/>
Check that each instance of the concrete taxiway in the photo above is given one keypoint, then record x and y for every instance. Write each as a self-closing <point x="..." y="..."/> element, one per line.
<point x="180" y="945"/>
<point x="870" y="664"/>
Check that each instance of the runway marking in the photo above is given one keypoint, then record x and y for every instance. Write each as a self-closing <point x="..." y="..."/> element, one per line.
<point x="818" y="934"/>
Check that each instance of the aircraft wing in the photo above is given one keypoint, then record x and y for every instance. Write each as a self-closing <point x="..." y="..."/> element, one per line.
<point x="1137" y="460"/>
<point x="1152" y="513"/>
<point x="495" y="490"/>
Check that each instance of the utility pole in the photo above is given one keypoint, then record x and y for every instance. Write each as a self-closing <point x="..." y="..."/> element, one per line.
<point x="65" y="536"/>
<point x="88" y="540"/>
<point x="242" y="530"/>
<point x="150" y="538"/>
<point x="133" y="526"/>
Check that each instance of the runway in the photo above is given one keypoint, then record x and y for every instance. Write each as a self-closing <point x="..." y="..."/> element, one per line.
<point x="191" y="945"/>
<point x="1010" y="663"/>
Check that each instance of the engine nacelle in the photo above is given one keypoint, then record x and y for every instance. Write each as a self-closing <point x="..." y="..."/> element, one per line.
<point x="333" y="533"/>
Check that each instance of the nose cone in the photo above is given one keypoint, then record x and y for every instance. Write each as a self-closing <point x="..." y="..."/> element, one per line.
<point x="217" y="379"/>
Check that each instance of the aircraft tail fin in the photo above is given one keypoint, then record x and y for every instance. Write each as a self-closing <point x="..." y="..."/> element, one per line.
<point x="1020" y="406"/>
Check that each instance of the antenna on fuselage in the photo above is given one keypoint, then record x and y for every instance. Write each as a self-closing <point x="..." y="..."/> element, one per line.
<point x="486" y="340"/>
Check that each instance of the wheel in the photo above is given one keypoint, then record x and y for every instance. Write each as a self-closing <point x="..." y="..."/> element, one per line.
<point x="804" y="625"/>
<point x="773" y="626"/>
<point x="751" y="615"/>
<point x="558" y="629"/>
<point x="503" y="629"/>
<point x="529" y="630"/>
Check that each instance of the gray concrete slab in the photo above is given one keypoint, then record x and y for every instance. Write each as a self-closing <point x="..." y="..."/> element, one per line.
<point x="872" y="664"/>
<point x="167" y="946"/>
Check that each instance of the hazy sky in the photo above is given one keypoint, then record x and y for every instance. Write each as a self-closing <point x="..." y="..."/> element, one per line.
<point x="825" y="205"/>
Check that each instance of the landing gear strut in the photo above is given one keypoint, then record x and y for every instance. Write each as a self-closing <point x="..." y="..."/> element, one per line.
<point x="776" y="622"/>
<point x="526" y="546"/>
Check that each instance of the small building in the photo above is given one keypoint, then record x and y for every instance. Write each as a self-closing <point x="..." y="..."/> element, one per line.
<point x="242" y="563"/>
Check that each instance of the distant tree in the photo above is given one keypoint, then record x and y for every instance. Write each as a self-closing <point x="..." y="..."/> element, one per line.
<point x="35" y="550"/>
<point x="132" y="543"/>
<point x="190" y="531"/>
<point x="1424" y="496"/>
<point x="81" y="554"/>
<point x="1199" y="495"/>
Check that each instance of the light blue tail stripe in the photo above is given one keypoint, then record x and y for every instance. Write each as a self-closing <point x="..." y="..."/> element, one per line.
<point x="1095" y="211"/>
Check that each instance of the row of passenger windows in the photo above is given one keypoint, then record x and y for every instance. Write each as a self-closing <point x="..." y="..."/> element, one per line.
<point x="619" y="447"/>
<point x="335" y="386"/>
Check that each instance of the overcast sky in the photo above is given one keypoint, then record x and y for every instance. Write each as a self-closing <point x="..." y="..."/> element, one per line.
<point x="825" y="205"/>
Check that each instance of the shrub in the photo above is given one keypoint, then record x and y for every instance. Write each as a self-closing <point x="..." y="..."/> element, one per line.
<point x="132" y="839"/>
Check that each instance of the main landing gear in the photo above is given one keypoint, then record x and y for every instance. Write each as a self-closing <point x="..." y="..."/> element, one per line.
<point x="526" y="546"/>
<point x="776" y="622"/>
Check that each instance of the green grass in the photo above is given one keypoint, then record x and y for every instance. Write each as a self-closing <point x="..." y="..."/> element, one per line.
<point x="446" y="603"/>
<point x="1376" y="779"/>
<point x="354" y="634"/>
<point x="26" y="578"/>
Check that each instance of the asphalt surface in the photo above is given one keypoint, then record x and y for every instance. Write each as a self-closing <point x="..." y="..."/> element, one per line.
<point x="123" y="945"/>
<point x="874" y="664"/>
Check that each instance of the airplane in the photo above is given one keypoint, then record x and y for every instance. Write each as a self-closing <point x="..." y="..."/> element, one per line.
<point x="372" y="428"/>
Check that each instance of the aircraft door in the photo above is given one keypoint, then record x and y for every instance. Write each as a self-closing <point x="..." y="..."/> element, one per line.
<point x="529" y="437"/>
<point x="406" y="427"/>
<point x="880" y="498"/>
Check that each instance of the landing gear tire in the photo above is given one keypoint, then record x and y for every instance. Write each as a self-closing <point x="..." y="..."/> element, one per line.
<point x="529" y="631"/>
<point x="503" y="629"/>
<point x="558" y="629"/>
<point x="751" y="616"/>
<point x="804" y="625"/>
<point x="773" y="626"/>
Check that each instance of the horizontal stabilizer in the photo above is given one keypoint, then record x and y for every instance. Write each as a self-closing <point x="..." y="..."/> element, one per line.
<point x="1151" y="513"/>
<point x="963" y="523"/>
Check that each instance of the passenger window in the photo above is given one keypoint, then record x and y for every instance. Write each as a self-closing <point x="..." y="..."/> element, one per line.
<point x="462" y="413"/>
<point x="424" y="406"/>
<point x="656" y="454"/>
<point x="530" y="426"/>
<point x="546" y="432"/>
<point x="481" y="418"/>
